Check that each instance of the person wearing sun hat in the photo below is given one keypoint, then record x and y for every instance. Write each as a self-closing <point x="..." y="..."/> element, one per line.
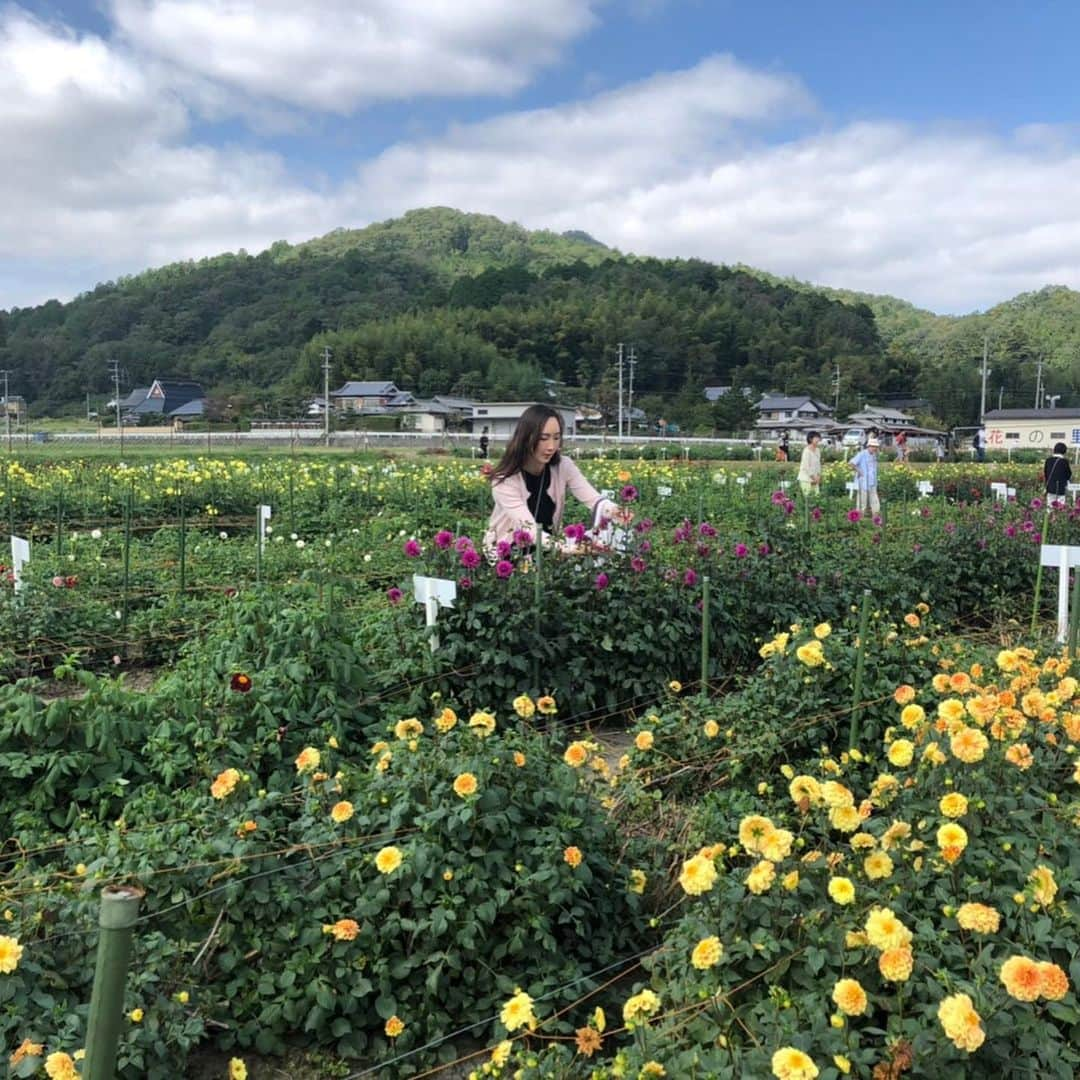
<point x="865" y="464"/>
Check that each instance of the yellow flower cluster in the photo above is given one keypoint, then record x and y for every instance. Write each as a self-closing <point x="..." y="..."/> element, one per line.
<point x="465" y="785"/>
<point x="979" y="918"/>
<point x="698" y="875"/>
<point x="1028" y="980"/>
<point x="640" y="1007"/>
<point x="849" y="997"/>
<point x="308" y="760"/>
<point x="772" y="648"/>
<point x="789" y="1063"/>
<point x="811" y="653"/>
<point x="707" y="953"/>
<point x="961" y="1022"/>
<point x="388" y="860"/>
<point x="10" y="954"/>
<point x="483" y="723"/>
<point x="342" y="930"/>
<point x="518" y="1012"/>
<point x="225" y="783"/>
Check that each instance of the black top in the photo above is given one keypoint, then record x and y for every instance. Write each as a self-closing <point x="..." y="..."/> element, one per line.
<point x="541" y="504"/>
<point x="1057" y="474"/>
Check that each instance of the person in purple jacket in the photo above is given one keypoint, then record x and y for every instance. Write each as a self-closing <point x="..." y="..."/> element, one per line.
<point x="530" y="482"/>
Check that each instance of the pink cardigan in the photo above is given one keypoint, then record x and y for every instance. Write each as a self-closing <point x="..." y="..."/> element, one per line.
<point x="512" y="509"/>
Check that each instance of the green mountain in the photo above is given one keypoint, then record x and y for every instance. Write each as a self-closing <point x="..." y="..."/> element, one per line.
<point x="443" y="301"/>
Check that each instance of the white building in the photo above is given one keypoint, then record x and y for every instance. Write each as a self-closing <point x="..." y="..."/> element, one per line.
<point x="501" y="417"/>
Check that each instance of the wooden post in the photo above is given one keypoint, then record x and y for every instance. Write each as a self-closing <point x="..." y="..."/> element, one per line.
<point x="119" y="911"/>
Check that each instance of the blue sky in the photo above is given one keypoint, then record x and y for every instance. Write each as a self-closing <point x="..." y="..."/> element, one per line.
<point x="925" y="150"/>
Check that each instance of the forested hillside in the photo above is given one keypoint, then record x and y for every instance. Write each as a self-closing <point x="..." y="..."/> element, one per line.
<point x="442" y="301"/>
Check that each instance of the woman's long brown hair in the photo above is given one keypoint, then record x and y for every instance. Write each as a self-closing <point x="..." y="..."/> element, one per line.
<point x="524" y="441"/>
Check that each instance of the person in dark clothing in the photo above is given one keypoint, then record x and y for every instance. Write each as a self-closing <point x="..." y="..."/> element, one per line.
<point x="484" y="443"/>
<point x="1056" y="471"/>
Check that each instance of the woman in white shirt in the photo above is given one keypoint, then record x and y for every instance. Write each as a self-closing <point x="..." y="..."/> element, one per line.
<point x="810" y="465"/>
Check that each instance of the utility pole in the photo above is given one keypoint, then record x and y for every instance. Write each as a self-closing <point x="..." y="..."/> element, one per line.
<point x="630" y="394"/>
<point x="7" y="413"/>
<point x="985" y="373"/>
<point x="1038" y="384"/>
<point x="326" y="393"/>
<point x="620" y="363"/>
<point x="115" y="372"/>
<point x="836" y="390"/>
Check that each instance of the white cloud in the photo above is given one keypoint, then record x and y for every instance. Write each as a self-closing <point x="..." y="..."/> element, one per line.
<point x="96" y="168"/>
<point x="587" y="153"/>
<point x="336" y="55"/>
<point x="949" y="219"/>
<point x="720" y="161"/>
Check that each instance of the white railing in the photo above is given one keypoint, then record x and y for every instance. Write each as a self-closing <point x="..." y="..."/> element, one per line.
<point x="357" y="438"/>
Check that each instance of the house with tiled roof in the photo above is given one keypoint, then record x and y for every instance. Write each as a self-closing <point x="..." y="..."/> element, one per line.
<point x="777" y="412"/>
<point x="164" y="400"/>
<point x="365" y="397"/>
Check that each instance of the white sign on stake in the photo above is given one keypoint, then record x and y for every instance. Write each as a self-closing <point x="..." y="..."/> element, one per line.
<point x="20" y="554"/>
<point x="924" y="488"/>
<point x="263" y="516"/>
<point x="434" y="593"/>
<point x="1065" y="557"/>
<point x="613" y="536"/>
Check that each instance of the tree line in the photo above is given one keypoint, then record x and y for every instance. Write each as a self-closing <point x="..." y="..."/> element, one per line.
<point x="444" y="302"/>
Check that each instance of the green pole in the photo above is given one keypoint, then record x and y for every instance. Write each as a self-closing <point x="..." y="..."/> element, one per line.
<point x="59" y="522"/>
<point x="119" y="911"/>
<point x="258" y="545"/>
<point x="10" y="495"/>
<point x="860" y="664"/>
<point x="127" y="563"/>
<point x="538" y="595"/>
<point x="292" y="507"/>
<point x="704" y="633"/>
<point x="1074" y="615"/>
<point x="1038" y="574"/>
<point x="183" y="547"/>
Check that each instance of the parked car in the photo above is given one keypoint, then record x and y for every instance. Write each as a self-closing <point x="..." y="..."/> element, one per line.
<point x="853" y="437"/>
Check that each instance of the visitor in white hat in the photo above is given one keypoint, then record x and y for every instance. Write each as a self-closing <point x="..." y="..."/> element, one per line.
<point x="865" y="464"/>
